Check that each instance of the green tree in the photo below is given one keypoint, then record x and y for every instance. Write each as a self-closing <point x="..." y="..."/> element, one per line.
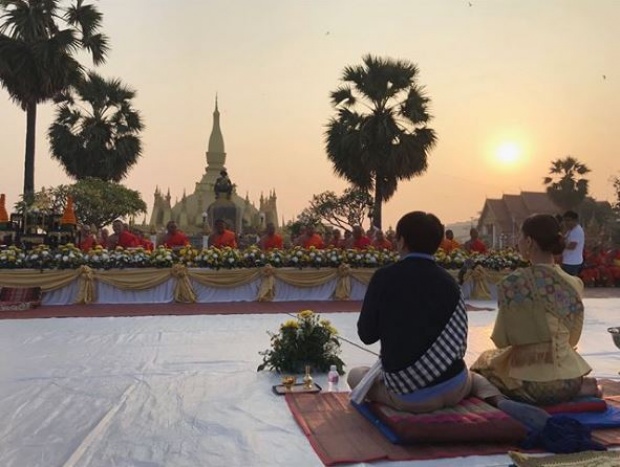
<point x="343" y="212"/>
<point x="98" y="202"/>
<point x="567" y="186"/>
<point x="616" y="184"/>
<point x="96" y="131"/>
<point x="39" y="41"/>
<point x="379" y="135"/>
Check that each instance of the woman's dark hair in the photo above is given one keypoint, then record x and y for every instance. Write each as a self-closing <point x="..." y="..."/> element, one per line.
<point x="544" y="229"/>
<point x="421" y="232"/>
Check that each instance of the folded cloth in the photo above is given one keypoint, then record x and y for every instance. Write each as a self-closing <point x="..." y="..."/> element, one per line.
<point x="358" y="394"/>
<point x="562" y="434"/>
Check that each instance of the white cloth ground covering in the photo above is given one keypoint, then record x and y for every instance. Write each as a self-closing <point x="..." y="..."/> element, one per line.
<point x="183" y="390"/>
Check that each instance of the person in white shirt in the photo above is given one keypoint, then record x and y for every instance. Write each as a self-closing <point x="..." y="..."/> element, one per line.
<point x="572" y="256"/>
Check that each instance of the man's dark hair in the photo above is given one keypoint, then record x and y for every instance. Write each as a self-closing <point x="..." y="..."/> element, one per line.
<point x="572" y="215"/>
<point x="421" y="232"/>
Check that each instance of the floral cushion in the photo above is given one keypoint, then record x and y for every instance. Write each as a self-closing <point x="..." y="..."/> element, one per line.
<point x="472" y="420"/>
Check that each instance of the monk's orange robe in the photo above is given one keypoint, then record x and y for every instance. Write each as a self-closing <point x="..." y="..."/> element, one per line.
<point x="382" y="244"/>
<point x="316" y="241"/>
<point x="449" y="245"/>
<point x="175" y="240"/>
<point x="271" y="242"/>
<point x="88" y="243"/>
<point x="226" y="238"/>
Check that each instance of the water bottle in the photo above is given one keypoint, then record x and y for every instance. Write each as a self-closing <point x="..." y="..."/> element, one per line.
<point x="333" y="378"/>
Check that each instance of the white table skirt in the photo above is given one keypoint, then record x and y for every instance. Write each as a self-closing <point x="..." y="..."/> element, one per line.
<point x="164" y="293"/>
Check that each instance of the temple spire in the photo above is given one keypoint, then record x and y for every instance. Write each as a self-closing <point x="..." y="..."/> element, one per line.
<point x="216" y="155"/>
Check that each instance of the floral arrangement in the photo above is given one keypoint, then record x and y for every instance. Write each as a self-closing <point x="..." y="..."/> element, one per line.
<point x="68" y="256"/>
<point x="305" y="340"/>
<point x="12" y="258"/>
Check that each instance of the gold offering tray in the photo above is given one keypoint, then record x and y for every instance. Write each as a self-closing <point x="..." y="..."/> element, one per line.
<point x="298" y="388"/>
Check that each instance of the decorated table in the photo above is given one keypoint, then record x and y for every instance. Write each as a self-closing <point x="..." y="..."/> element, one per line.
<point x="179" y="283"/>
<point x="188" y="275"/>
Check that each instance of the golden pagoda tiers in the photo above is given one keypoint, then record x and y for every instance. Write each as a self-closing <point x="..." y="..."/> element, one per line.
<point x="191" y="212"/>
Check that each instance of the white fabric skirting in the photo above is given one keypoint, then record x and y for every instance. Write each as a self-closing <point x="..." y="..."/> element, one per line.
<point x="164" y="293"/>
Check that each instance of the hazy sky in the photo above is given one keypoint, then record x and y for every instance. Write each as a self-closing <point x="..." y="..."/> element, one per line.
<point x="543" y="75"/>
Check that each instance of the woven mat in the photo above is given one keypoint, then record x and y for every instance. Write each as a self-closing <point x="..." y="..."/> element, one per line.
<point x="340" y="434"/>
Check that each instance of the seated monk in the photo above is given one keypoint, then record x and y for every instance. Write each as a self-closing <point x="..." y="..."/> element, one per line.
<point x="414" y="308"/>
<point x="122" y="236"/>
<point x="88" y="241"/>
<point x="537" y="329"/>
<point x="360" y="240"/>
<point x="271" y="239"/>
<point x="174" y="238"/>
<point x="449" y="244"/>
<point x="221" y="236"/>
<point x="310" y="238"/>
<point x="143" y="241"/>
<point x="335" y="241"/>
<point x="380" y="242"/>
<point x="474" y="244"/>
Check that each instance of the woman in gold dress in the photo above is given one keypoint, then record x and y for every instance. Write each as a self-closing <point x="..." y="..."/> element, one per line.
<point x="538" y="325"/>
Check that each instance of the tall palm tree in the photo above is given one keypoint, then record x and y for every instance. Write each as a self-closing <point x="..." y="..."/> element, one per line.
<point x="379" y="134"/>
<point x="96" y="131"/>
<point x="566" y="186"/>
<point x="38" y="44"/>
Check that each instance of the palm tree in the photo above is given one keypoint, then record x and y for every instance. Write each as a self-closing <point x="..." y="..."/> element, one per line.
<point x="96" y="131"/>
<point x="379" y="134"/>
<point x="38" y="43"/>
<point x="566" y="187"/>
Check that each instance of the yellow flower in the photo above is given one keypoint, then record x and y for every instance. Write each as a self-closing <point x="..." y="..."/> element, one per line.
<point x="325" y="323"/>
<point x="305" y="314"/>
<point x="291" y="323"/>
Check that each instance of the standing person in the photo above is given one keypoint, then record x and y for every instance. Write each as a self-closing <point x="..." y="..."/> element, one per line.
<point x="474" y="244"/>
<point x="221" y="236"/>
<point x="415" y="309"/>
<point x="538" y="328"/>
<point x="271" y="239"/>
<point x="174" y="238"/>
<point x="572" y="256"/>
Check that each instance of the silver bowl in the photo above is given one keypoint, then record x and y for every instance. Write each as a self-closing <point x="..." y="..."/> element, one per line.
<point x="615" y="334"/>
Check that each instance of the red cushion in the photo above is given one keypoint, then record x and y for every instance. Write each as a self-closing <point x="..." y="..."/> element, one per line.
<point x="582" y="404"/>
<point x="472" y="420"/>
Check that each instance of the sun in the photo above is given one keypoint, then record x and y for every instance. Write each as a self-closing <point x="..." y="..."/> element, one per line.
<point x="508" y="153"/>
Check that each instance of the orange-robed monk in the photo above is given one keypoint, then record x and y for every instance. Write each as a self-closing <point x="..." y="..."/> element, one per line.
<point x="222" y="237"/>
<point x="449" y="244"/>
<point x="311" y="238"/>
<point x="174" y="237"/>
<point x="271" y="239"/>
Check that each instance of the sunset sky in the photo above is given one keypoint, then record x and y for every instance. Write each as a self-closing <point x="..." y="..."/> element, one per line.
<point x="514" y="84"/>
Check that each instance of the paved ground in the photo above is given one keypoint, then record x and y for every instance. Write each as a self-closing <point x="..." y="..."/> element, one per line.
<point x="334" y="306"/>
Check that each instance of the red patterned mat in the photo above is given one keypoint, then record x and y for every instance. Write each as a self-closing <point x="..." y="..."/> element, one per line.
<point x="339" y="434"/>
